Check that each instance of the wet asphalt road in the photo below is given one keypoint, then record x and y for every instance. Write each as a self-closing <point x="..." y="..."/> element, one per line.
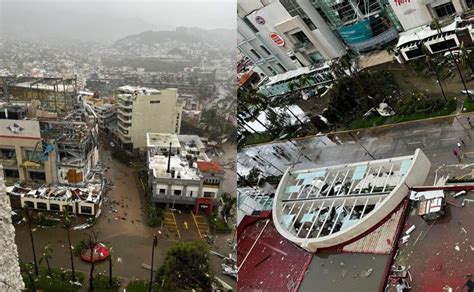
<point x="437" y="138"/>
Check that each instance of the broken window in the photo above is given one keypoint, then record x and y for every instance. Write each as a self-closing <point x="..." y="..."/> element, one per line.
<point x="86" y="210"/>
<point x="54" y="207"/>
<point x="30" y="204"/>
<point x="11" y="173"/>
<point x="37" y="175"/>
<point x="41" y="206"/>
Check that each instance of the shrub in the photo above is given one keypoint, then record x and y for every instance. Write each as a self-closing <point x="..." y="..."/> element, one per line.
<point x="155" y="216"/>
<point x="142" y="286"/>
<point x="101" y="283"/>
<point x="79" y="247"/>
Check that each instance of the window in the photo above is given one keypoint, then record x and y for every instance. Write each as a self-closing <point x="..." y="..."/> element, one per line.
<point x="86" y="210"/>
<point x="414" y="53"/>
<point x="294" y="9"/>
<point x="281" y="67"/>
<point x="177" y="192"/>
<point x="41" y="206"/>
<point x="255" y="53"/>
<point x="36" y="175"/>
<point x="154" y="101"/>
<point x="444" y="9"/>
<point x="271" y="70"/>
<point x="470" y="3"/>
<point x="300" y="37"/>
<point x="54" y="207"/>
<point x="11" y="173"/>
<point x="208" y="194"/>
<point x="265" y="50"/>
<point x="7" y="153"/>
<point x="162" y="192"/>
<point x="191" y="193"/>
<point x="30" y="204"/>
<point x="250" y="24"/>
<point x="443" y="45"/>
<point x="34" y="155"/>
<point x="316" y="57"/>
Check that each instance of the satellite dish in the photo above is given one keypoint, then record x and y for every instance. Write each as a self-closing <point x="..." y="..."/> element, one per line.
<point x="304" y="95"/>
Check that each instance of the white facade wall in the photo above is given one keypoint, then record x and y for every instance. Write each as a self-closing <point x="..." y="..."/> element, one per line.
<point x="155" y="114"/>
<point x="412" y="14"/>
<point x="214" y="191"/>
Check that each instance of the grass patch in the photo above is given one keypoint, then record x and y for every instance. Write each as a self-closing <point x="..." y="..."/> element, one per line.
<point x="101" y="283"/>
<point x="367" y="123"/>
<point x="58" y="281"/>
<point x="447" y="109"/>
<point x="142" y="286"/>
<point x="468" y="105"/>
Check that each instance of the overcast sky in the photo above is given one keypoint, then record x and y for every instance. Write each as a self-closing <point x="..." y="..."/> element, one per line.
<point x="110" y="19"/>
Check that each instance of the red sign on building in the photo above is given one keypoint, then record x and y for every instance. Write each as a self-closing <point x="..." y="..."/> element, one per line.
<point x="277" y="39"/>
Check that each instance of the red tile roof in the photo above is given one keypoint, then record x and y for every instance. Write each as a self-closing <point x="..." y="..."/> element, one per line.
<point x="268" y="261"/>
<point x="205" y="166"/>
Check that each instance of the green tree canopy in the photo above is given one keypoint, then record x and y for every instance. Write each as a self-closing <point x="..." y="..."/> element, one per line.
<point x="186" y="266"/>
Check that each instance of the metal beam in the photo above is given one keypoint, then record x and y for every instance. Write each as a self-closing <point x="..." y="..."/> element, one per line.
<point x="325" y="219"/>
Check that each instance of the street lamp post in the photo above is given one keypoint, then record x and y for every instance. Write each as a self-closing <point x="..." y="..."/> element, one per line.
<point x="360" y="144"/>
<point x="155" y="243"/>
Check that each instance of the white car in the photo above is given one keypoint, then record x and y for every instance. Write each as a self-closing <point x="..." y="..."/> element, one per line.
<point x="466" y="92"/>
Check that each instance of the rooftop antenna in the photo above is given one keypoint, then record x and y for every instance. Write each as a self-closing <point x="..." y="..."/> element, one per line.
<point x="169" y="159"/>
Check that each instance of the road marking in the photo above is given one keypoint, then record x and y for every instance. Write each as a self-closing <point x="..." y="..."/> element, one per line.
<point x="413" y="143"/>
<point x="416" y="131"/>
<point x="195" y="222"/>
<point x="447" y="139"/>
<point x="384" y="146"/>
<point x="176" y="224"/>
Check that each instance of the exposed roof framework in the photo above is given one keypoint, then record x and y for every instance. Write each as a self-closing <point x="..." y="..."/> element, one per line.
<point x="321" y="203"/>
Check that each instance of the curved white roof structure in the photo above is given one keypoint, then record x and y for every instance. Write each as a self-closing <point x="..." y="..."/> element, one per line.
<point x="328" y="206"/>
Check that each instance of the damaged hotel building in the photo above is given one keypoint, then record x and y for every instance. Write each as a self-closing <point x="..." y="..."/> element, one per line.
<point x="39" y="147"/>
<point x="180" y="173"/>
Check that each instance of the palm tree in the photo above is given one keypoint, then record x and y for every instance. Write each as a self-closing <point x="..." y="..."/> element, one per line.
<point x="155" y="243"/>
<point x="91" y="243"/>
<point x="47" y="255"/>
<point x="25" y="268"/>
<point x="110" y="267"/>
<point x="438" y="28"/>
<point x="466" y="58"/>
<point x="28" y="218"/>
<point x="429" y="62"/>
<point x="66" y="224"/>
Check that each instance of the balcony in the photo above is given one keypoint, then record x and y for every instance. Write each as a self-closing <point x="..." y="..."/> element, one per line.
<point x="302" y="46"/>
<point x="124" y="119"/>
<point x="8" y="161"/>
<point x="124" y="112"/>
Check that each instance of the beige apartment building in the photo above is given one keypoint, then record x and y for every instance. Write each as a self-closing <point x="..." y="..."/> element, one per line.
<point x="144" y="110"/>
